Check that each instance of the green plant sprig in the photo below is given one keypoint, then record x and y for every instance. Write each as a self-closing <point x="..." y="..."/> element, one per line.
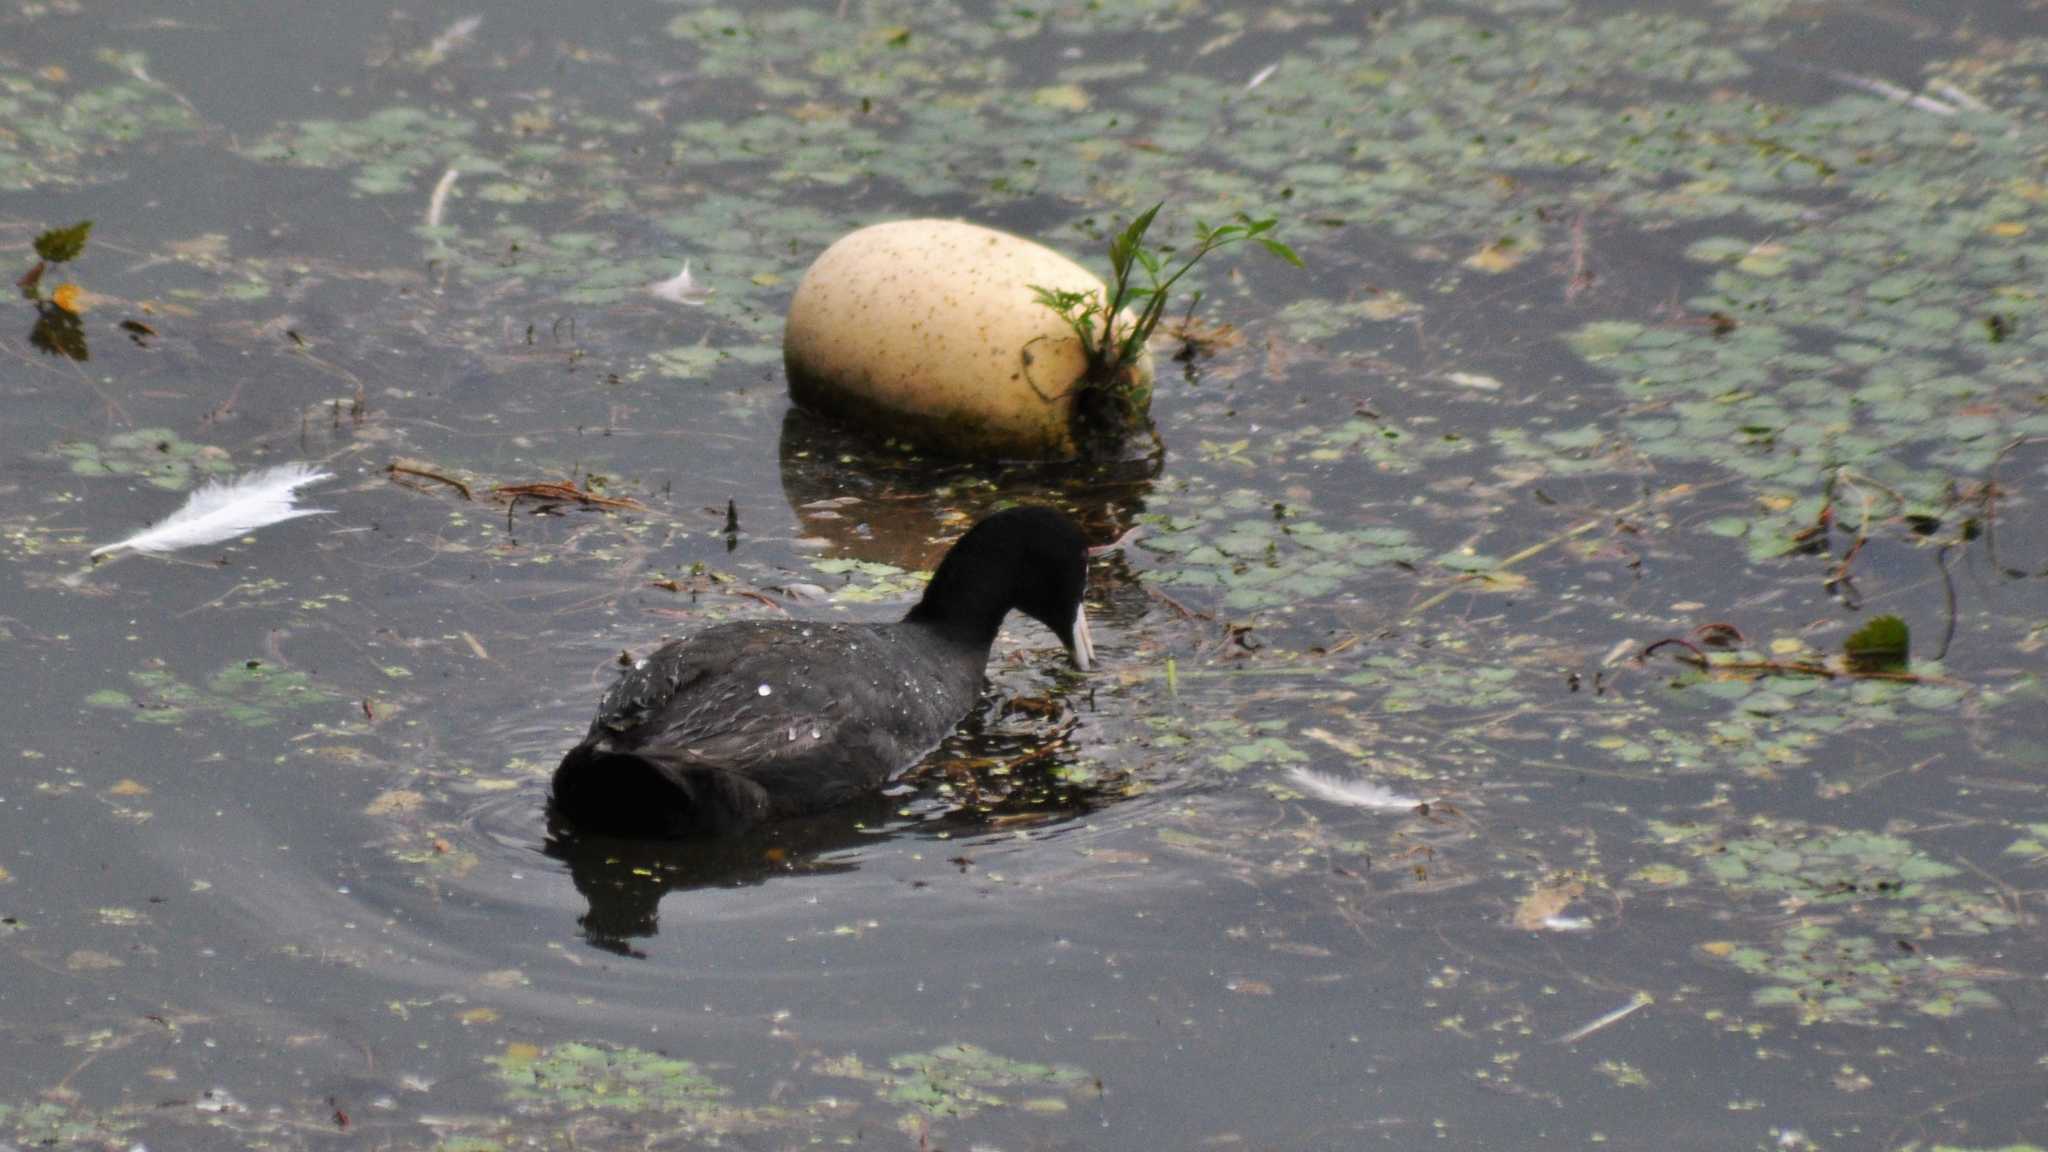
<point x="56" y="246"/>
<point x="1111" y="344"/>
<point x="1083" y="311"/>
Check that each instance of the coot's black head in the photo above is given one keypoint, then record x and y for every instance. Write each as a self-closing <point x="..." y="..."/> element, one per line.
<point x="1032" y="560"/>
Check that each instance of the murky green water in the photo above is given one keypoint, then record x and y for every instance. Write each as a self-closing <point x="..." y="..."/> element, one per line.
<point x="1622" y="323"/>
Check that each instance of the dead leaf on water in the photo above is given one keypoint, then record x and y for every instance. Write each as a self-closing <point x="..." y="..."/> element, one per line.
<point x="397" y="802"/>
<point x="1545" y="902"/>
<point x="1497" y="257"/>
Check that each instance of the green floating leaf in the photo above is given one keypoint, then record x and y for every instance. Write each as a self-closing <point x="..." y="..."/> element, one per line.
<point x="1603" y="339"/>
<point x="61" y="244"/>
<point x="1878" y="646"/>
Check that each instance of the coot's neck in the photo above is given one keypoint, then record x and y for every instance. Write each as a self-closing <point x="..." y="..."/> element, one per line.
<point x="967" y="599"/>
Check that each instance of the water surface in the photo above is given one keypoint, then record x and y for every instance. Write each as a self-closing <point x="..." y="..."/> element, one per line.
<point x="1622" y="323"/>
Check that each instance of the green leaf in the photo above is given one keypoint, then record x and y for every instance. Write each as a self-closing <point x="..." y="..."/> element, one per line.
<point x="1281" y="250"/>
<point x="61" y="244"/>
<point x="1878" y="646"/>
<point x="1125" y="245"/>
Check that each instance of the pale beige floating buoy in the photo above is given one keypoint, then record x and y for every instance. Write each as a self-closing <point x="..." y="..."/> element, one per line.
<point x="928" y="331"/>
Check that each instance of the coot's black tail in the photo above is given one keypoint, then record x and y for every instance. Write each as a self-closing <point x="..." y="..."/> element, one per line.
<point x="620" y="793"/>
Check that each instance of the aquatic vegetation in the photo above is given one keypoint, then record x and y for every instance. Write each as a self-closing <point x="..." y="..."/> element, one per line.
<point x="59" y="130"/>
<point x="1869" y="911"/>
<point x="251" y="694"/>
<point x="1832" y="978"/>
<point x="1772" y="722"/>
<point x="393" y="148"/>
<point x="1253" y="552"/>
<point x="56" y="246"/>
<point x="1886" y="881"/>
<point x="577" y="1077"/>
<point x="158" y="455"/>
<point x="1882" y="645"/>
<point x="62" y="1123"/>
<point x="1416" y="685"/>
<point x="1112" y="401"/>
<point x="1228" y="744"/>
<point x="960" y="1080"/>
<point x="871" y="581"/>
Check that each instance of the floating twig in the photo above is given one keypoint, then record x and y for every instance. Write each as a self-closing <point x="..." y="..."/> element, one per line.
<point x="757" y="597"/>
<point x="1698" y="657"/>
<point x="1691" y="654"/>
<point x="1636" y="1003"/>
<point x="718" y="585"/>
<point x="396" y="469"/>
<point x="565" y="492"/>
<point x="1674" y="492"/>
<point x="1948" y="587"/>
<point x="1718" y="634"/>
<point x="1991" y="501"/>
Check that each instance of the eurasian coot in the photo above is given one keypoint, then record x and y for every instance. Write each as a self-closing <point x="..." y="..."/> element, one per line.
<point x="757" y="720"/>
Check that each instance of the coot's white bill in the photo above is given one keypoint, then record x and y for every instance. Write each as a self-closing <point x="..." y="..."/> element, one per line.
<point x="1084" y="645"/>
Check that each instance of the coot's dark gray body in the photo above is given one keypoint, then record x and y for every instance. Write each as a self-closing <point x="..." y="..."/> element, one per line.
<point x="763" y="720"/>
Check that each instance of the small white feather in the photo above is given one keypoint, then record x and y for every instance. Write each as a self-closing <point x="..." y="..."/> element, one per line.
<point x="682" y="288"/>
<point x="455" y="36"/>
<point x="1351" y="793"/>
<point x="437" y="204"/>
<point x="224" y="511"/>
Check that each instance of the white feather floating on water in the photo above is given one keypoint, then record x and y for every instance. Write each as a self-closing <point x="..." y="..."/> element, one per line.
<point x="1958" y="97"/>
<point x="1351" y="793"/>
<point x="682" y="288"/>
<point x="437" y="204"/>
<point x="455" y="36"/>
<point x="1894" y="93"/>
<point x="223" y="511"/>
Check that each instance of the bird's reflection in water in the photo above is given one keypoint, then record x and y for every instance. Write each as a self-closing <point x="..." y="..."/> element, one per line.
<point x="624" y="880"/>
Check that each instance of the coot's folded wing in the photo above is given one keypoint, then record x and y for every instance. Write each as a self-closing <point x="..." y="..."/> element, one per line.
<point x="812" y="715"/>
